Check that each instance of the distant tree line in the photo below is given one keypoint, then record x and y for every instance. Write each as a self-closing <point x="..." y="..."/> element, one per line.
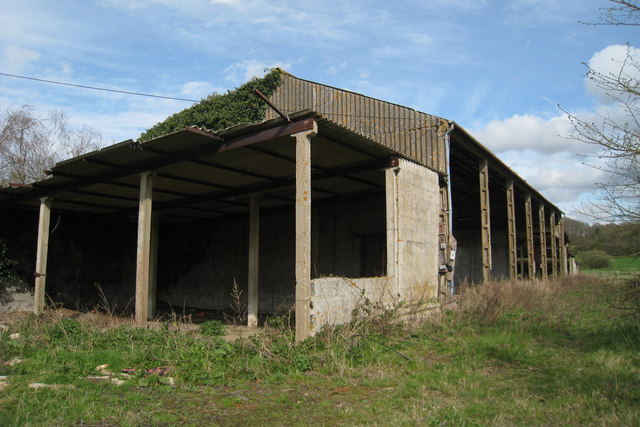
<point x="612" y="239"/>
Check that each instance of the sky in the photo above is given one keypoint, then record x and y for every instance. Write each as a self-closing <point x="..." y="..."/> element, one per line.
<point x="501" y="69"/>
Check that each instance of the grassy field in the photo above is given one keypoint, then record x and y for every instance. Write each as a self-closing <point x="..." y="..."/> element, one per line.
<point x="551" y="353"/>
<point x="627" y="264"/>
<point x="624" y="267"/>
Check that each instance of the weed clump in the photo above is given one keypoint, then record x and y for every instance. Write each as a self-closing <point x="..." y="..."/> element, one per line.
<point x="212" y="328"/>
<point x="66" y="328"/>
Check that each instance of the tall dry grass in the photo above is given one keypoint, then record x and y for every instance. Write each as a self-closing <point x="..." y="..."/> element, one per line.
<point x="488" y="302"/>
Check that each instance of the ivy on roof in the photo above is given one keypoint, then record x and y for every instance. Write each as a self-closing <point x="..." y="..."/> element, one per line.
<point x="220" y="111"/>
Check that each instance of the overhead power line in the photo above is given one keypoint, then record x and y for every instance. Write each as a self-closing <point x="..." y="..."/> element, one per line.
<point x="97" y="88"/>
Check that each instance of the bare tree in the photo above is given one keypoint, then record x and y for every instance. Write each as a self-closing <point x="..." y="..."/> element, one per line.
<point x="615" y="134"/>
<point x="30" y="144"/>
<point x="622" y="12"/>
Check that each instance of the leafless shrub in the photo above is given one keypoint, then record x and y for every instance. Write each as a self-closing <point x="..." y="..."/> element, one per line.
<point x="104" y="305"/>
<point x="238" y="306"/>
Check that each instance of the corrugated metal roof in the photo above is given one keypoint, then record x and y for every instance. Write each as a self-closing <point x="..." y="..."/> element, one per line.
<point x="415" y="135"/>
<point x="412" y="134"/>
<point x="202" y="174"/>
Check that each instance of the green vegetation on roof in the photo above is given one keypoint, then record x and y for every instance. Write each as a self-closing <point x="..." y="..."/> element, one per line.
<point x="220" y="111"/>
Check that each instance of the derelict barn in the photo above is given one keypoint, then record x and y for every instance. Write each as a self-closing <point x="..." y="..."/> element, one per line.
<point x="334" y="197"/>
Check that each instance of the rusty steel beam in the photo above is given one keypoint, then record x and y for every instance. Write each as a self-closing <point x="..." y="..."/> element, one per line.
<point x="272" y="105"/>
<point x="293" y="160"/>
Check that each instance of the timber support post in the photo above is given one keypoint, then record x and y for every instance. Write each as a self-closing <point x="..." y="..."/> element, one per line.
<point x="153" y="266"/>
<point x="531" y="260"/>
<point x="511" y="231"/>
<point x="485" y="218"/>
<point x="543" y="242"/>
<point x="303" y="231"/>
<point x="563" y="251"/>
<point x="143" y="248"/>
<point x="254" y="250"/>
<point x="41" y="255"/>
<point x="554" y="246"/>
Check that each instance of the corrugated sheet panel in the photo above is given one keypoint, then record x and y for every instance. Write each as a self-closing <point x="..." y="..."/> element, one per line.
<point x="416" y="135"/>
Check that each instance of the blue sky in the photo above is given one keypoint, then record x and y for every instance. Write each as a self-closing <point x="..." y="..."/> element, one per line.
<point x="498" y="68"/>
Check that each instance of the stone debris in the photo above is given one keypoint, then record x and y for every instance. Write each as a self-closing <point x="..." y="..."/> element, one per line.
<point x="14" y="336"/>
<point x="15" y="361"/>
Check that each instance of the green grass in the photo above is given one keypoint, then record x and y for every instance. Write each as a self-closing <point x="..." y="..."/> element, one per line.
<point x="624" y="267"/>
<point x="516" y="353"/>
<point x="630" y="264"/>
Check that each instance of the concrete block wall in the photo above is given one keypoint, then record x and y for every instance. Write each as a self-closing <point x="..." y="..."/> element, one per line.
<point x="412" y="231"/>
<point x="198" y="263"/>
<point x="334" y="299"/>
<point x="348" y="239"/>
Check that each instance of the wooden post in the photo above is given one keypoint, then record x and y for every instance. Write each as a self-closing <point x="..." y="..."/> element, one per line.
<point x="531" y="259"/>
<point x="303" y="232"/>
<point x="543" y="242"/>
<point x="153" y="266"/>
<point x="485" y="218"/>
<point x="554" y="247"/>
<point x="563" y="251"/>
<point x="511" y="231"/>
<point x="254" y="246"/>
<point x="41" y="255"/>
<point x="143" y="251"/>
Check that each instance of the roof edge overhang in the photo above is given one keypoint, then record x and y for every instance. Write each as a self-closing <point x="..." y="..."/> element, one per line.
<point x="478" y="149"/>
<point x="78" y="172"/>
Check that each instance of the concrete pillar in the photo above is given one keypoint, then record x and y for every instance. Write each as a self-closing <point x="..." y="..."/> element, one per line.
<point x="511" y="231"/>
<point x="153" y="266"/>
<point x="303" y="232"/>
<point x="554" y="247"/>
<point x="531" y="259"/>
<point x="543" y="242"/>
<point x="143" y="251"/>
<point x="485" y="220"/>
<point x="254" y="246"/>
<point x="41" y="255"/>
<point x="392" y="218"/>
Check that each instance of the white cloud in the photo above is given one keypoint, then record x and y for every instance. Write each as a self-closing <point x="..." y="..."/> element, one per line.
<point x="541" y="151"/>
<point x="66" y="68"/>
<point x="15" y="59"/>
<point x="529" y="132"/>
<point x="608" y="62"/>
<point x="246" y="70"/>
<point x="197" y="89"/>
